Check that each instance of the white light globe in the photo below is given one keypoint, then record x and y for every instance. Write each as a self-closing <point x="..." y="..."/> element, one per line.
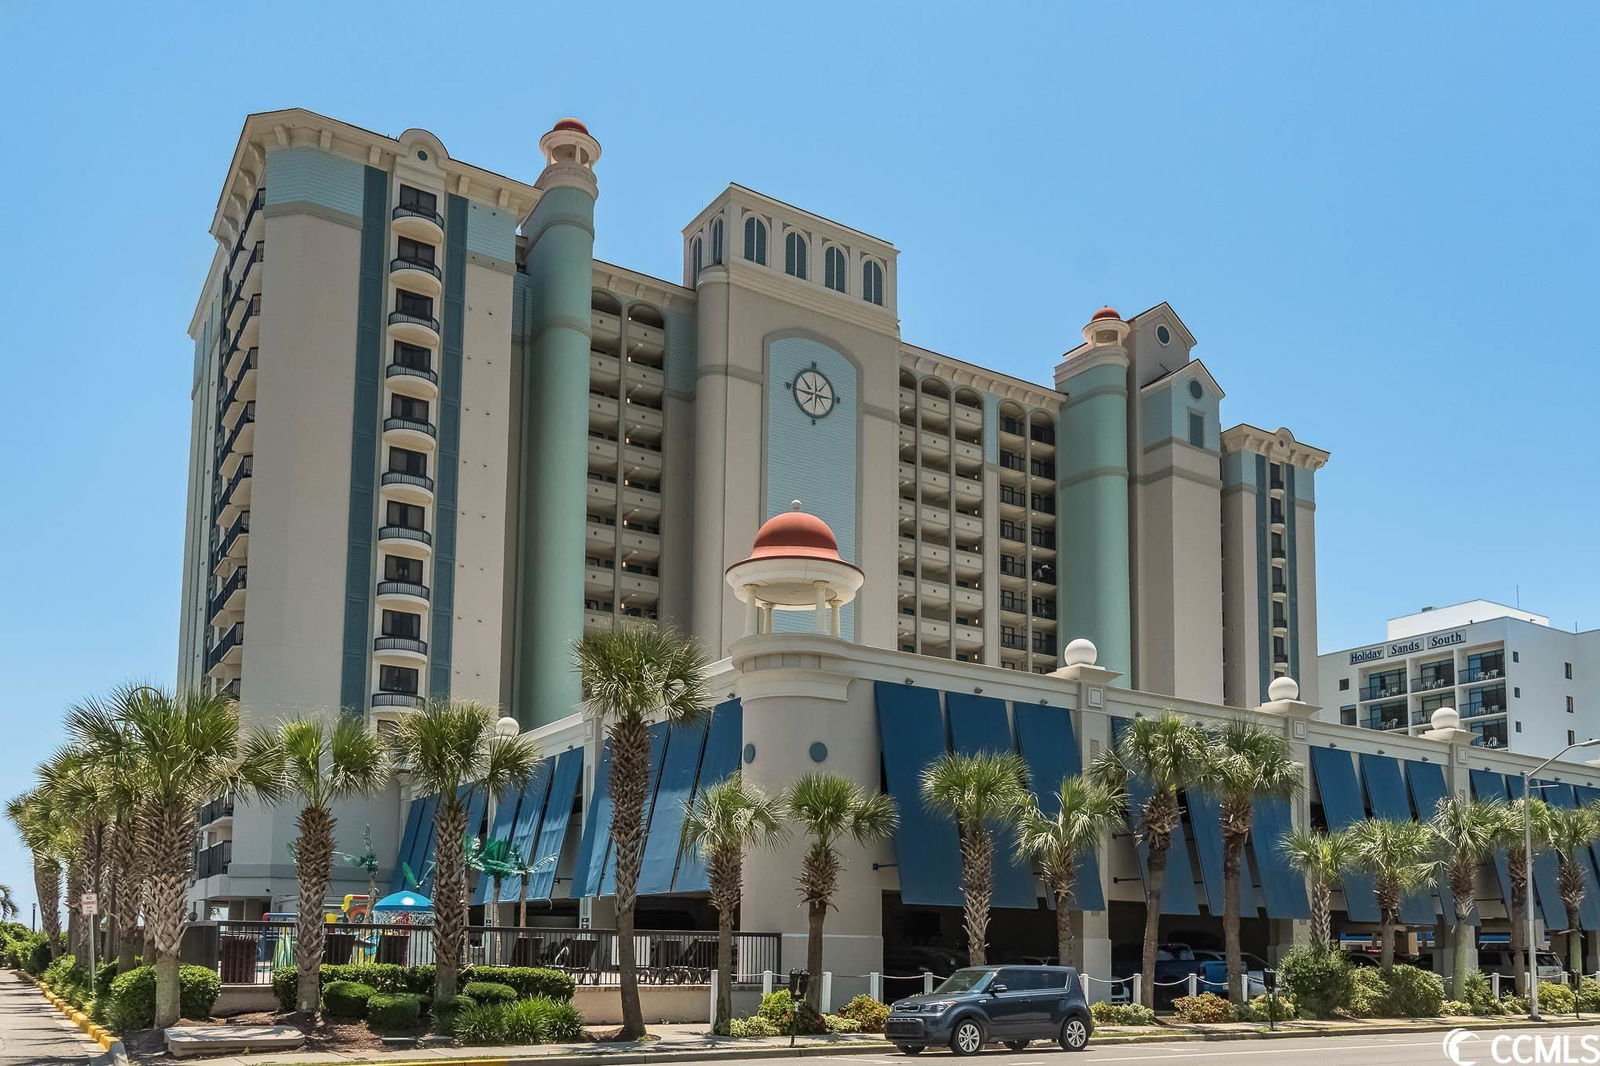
<point x="1283" y="688"/>
<point x="507" y="727"/>
<point x="1445" y="718"/>
<point x="1081" y="652"/>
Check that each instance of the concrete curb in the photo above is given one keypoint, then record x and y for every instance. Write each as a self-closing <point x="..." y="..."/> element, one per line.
<point x="107" y="1040"/>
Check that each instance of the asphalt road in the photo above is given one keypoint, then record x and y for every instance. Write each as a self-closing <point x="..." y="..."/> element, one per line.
<point x="34" y="1032"/>
<point x="1399" y="1049"/>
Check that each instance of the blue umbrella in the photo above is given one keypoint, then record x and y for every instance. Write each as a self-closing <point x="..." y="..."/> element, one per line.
<point x="407" y="902"/>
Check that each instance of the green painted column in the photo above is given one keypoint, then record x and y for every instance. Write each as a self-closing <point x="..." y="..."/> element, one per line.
<point x="1092" y="485"/>
<point x="554" y="454"/>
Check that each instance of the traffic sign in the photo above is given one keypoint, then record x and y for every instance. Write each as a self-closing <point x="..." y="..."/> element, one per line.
<point x="89" y="904"/>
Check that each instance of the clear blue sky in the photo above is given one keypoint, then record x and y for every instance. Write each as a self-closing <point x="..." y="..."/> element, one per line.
<point x="1378" y="219"/>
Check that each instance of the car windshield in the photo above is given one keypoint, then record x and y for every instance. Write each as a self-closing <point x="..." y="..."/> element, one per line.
<point x="970" y="980"/>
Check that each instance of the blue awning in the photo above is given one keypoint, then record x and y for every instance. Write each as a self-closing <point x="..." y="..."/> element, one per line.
<point x="525" y="831"/>
<point x="1488" y="785"/>
<point x="658" y="749"/>
<point x="1589" y="909"/>
<point x="596" y="839"/>
<point x="1335" y="775"/>
<point x="1426" y="782"/>
<point x="685" y="745"/>
<point x="1387" y="798"/>
<point x="408" y="841"/>
<point x="1546" y="869"/>
<point x="422" y="847"/>
<point x="1050" y="748"/>
<point x="475" y="799"/>
<point x="911" y="735"/>
<point x="1281" y="884"/>
<point x="724" y="739"/>
<point x="1205" y="821"/>
<point x="978" y="723"/>
<point x="506" y="806"/>
<point x="565" y="779"/>
<point x="1177" y="892"/>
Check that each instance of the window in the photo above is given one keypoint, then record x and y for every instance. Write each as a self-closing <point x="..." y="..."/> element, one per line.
<point x="1567" y="665"/>
<point x="1569" y="704"/>
<point x="1347" y="714"/>
<point x="794" y="256"/>
<point x="400" y="568"/>
<point x="402" y="624"/>
<point x="397" y="679"/>
<point x="404" y="515"/>
<point x="872" y="283"/>
<point x="408" y="407"/>
<point x="1572" y="738"/>
<point x="1197" y="429"/>
<point x="1516" y="690"/>
<point x="418" y="200"/>
<point x="834" y="267"/>
<point x="416" y="252"/>
<point x="1519" y="727"/>
<point x="406" y="461"/>
<point x="1164" y="335"/>
<point x="696" y="251"/>
<point x="755" y="240"/>
<point x="1516" y="656"/>
<point x="716" y="241"/>
<point x="1344" y="684"/>
<point x="409" y="303"/>
<point x="412" y="356"/>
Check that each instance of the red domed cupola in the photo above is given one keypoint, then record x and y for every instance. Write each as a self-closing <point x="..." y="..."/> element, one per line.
<point x="795" y="534"/>
<point x="794" y="565"/>
<point x="1106" y="313"/>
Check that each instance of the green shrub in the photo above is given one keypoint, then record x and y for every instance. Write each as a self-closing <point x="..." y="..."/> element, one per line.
<point x="838" y="1023"/>
<point x="64" y="973"/>
<point x="1557" y="998"/>
<point x="753" y="1026"/>
<point x="1107" y="1013"/>
<point x="1320" y="980"/>
<point x="489" y="992"/>
<point x="1414" y="993"/>
<point x="1478" y="993"/>
<point x="286" y="987"/>
<point x="347" y="999"/>
<point x="867" y="1012"/>
<point x="1455" y="1008"/>
<point x="1265" y="1009"/>
<point x="1589" y="996"/>
<point x="31" y="954"/>
<point x="479" y="1023"/>
<point x="1206" y="1008"/>
<point x="542" y="1020"/>
<point x="383" y="976"/>
<point x="104" y="974"/>
<point x="446" y="1012"/>
<point x="391" y="1012"/>
<point x="1513" y="1004"/>
<point x="133" y="996"/>
<point x="778" y="1008"/>
<point x="1370" y="996"/>
<point x="529" y="981"/>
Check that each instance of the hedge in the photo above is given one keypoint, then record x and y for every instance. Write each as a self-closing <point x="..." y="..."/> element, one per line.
<point x="347" y="999"/>
<point x="490" y="992"/>
<point x="1205" y="1008"/>
<point x="528" y="981"/>
<point x="1320" y="979"/>
<point x="133" y="996"/>
<point x="389" y="1012"/>
<point x="525" y="1021"/>
<point x="1107" y="1013"/>
<point x="867" y="1012"/>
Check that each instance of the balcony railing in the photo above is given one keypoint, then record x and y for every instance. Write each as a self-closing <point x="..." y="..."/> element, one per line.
<point x="1044" y="608"/>
<point x="1280" y="588"/>
<point x="233" y="389"/>
<point x="1381" y="722"/>
<point x="1012" y="461"/>
<point x="1427" y="684"/>
<point x="414" y="425"/>
<point x="247" y="466"/>
<point x="400" y="477"/>
<point x="401" y="370"/>
<point x="257" y="202"/>
<point x="240" y="528"/>
<point x="409" y="263"/>
<point x="1473" y="675"/>
<point x="396" y="699"/>
<point x="209" y="862"/>
<point x="403" y="588"/>
<point x="1015" y="641"/>
<point x="400" y="644"/>
<point x="404" y="533"/>
<point x="396" y="317"/>
<point x="233" y="638"/>
<point x="1012" y="568"/>
<point x="232" y="585"/>
<point x="412" y="211"/>
<point x="245" y="419"/>
<point x="1383" y="690"/>
<point x="221" y="807"/>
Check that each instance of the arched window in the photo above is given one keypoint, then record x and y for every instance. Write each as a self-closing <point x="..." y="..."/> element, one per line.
<point x="794" y="256"/>
<point x="716" y="241"/>
<point x="833" y="268"/>
<point x="872" y="282"/>
<point x="755" y="240"/>
<point x="696" y="259"/>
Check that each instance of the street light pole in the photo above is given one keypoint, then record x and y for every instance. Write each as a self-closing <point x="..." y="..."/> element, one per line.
<point x="1527" y="858"/>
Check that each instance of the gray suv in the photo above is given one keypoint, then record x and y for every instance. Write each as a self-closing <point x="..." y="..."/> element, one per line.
<point x="978" y="1005"/>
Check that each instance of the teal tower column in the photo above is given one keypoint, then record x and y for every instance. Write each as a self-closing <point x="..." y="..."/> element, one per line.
<point x="555" y="423"/>
<point x="1093" y="590"/>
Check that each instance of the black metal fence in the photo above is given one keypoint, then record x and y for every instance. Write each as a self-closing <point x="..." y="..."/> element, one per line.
<point x="248" y="952"/>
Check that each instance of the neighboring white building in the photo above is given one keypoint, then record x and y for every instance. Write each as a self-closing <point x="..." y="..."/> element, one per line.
<point x="1517" y="682"/>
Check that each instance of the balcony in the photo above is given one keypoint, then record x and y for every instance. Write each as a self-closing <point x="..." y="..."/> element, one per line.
<point x="404" y="593"/>
<point x="1427" y="683"/>
<point x="236" y="493"/>
<point x="241" y="439"/>
<point x="1280" y="589"/>
<point x="213" y="861"/>
<point x="382" y="700"/>
<point x="1382" y="690"/>
<point x="242" y="387"/>
<point x="217" y="810"/>
<point x="422" y="330"/>
<point x="412" y="380"/>
<point x="257" y="202"/>
<point x="234" y="543"/>
<point x="411" y="488"/>
<point x="1475" y="675"/>
<point x="412" y="543"/>
<point x="401" y="649"/>
<point x="410" y="433"/>
<point x="1014" y="641"/>
<point x="419" y="223"/>
<point x="231" y="596"/>
<point x="417" y="275"/>
<point x="230" y="690"/>
<point x="228" y="649"/>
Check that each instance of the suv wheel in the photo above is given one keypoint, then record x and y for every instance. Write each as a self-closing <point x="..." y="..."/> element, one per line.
<point x="1074" y="1034"/>
<point x="967" y="1038"/>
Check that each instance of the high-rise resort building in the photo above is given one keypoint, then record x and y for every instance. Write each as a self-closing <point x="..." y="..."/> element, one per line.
<point x="435" y="442"/>
<point x="1515" y="681"/>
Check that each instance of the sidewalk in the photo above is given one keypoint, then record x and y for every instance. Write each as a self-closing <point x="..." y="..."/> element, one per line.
<point x="32" y="1030"/>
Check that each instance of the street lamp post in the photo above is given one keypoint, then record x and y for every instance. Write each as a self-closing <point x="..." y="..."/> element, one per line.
<point x="1527" y="857"/>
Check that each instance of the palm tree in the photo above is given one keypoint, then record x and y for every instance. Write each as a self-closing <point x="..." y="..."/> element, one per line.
<point x="1246" y="762"/>
<point x="1570" y="833"/>
<point x="1509" y="830"/>
<point x="41" y="835"/>
<point x="718" y="824"/>
<point x="978" y="792"/>
<point x="632" y="674"/>
<point x="1464" y="831"/>
<point x="830" y="809"/>
<point x="183" y="749"/>
<point x="1399" y="857"/>
<point x="1084" y="813"/>
<point x="308" y="763"/>
<point x="1163" y="755"/>
<point x="8" y="904"/>
<point x="74" y="786"/>
<point x="451" y="748"/>
<point x="1321" y="857"/>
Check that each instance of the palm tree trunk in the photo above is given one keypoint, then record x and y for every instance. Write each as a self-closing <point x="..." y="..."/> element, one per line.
<point x="1066" y="944"/>
<point x="977" y="888"/>
<point x="1574" y="937"/>
<point x="47" y="887"/>
<point x="1519" y="903"/>
<point x="1154" y="883"/>
<point x="75" y="941"/>
<point x="522" y="904"/>
<point x="1322" y="913"/>
<point x="170" y="831"/>
<point x="819" y="877"/>
<point x="1232" y="845"/>
<point x="313" y="862"/>
<point x="816" y="914"/>
<point x="630" y="777"/>
<point x="450" y="890"/>
<point x="1386" y="929"/>
<point x="1463" y="934"/>
<point x="725" y="971"/>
